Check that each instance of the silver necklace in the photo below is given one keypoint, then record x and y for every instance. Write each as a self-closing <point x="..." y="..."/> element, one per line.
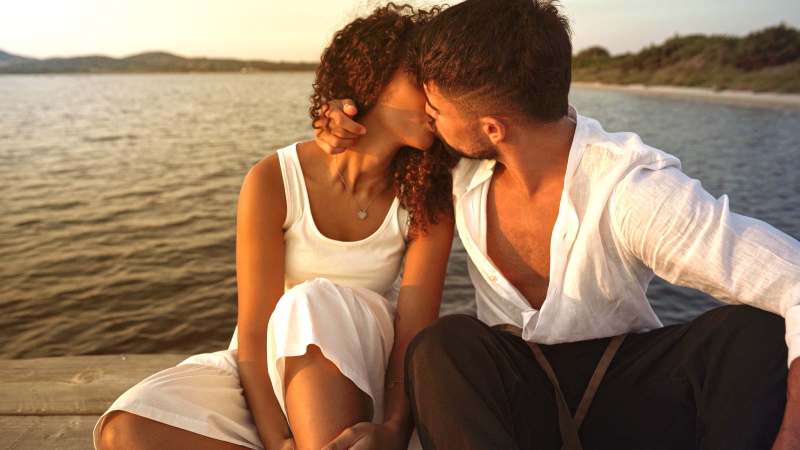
<point x="362" y="212"/>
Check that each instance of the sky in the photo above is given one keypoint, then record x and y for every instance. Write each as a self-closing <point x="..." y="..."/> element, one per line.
<point x="298" y="30"/>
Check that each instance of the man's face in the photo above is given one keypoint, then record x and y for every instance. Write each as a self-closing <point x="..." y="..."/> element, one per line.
<point x="461" y="137"/>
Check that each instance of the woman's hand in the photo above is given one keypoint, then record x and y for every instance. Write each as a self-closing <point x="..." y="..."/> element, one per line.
<point x="288" y="444"/>
<point x="335" y="131"/>
<point x="366" y="436"/>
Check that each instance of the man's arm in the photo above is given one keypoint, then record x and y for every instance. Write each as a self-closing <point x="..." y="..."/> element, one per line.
<point x="789" y="434"/>
<point x="670" y="223"/>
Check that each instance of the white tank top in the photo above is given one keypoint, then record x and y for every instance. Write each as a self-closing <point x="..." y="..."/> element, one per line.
<point x="373" y="263"/>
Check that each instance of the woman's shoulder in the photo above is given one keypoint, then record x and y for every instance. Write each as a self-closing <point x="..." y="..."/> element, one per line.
<point x="263" y="185"/>
<point x="265" y="173"/>
<point x="269" y="170"/>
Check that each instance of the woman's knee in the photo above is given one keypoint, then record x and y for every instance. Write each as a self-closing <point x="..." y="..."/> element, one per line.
<point x="310" y="294"/>
<point x="120" y="429"/>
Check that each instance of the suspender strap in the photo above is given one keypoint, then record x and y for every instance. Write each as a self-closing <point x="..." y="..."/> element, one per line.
<point x="597" y="377"/>
<point x="569" y="431"/>
<point x="569" y="425"/>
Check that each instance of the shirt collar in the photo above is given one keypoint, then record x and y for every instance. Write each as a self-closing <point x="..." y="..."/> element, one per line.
<point x="486" y="167"/>
<point x="579" y="140"/>
<point x="483" y="173"/>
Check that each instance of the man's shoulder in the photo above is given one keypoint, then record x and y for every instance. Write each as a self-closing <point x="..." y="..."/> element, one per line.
<point x="611" y="150"/>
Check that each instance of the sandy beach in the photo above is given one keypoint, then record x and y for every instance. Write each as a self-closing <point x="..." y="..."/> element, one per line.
<point x="763" y="99"/>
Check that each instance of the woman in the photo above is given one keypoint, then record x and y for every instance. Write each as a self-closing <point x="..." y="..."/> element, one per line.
<point x="320" y="243"/>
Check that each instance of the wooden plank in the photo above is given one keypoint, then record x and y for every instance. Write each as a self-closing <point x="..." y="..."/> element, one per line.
<point x="73" y="385"/>
<point x="40" y="432"/>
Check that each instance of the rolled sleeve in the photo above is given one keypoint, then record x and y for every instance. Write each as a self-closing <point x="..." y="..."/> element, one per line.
<point x="792" y="316"/>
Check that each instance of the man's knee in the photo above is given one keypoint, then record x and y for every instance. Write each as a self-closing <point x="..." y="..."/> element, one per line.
<point x="445" y="333"/>
<point x="744" y="336"/>
<point x="748" y="324"/>
<point x="442" y="340"/>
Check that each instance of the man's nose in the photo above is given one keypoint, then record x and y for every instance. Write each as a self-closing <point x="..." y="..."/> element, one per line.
<point x="431" y="123"/>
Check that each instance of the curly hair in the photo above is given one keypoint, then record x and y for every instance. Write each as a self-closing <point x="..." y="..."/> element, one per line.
<point x="359" y="62"/>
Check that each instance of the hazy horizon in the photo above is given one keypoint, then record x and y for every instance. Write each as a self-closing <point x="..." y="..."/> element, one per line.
<point x="150" y="51"/>
<point x="298" y="31"/>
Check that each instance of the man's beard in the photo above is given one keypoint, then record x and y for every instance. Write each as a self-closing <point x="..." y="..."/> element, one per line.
<point x="477" y="151"/>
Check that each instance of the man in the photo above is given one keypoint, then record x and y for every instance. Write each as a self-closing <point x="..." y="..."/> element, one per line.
<point x="565" y="225"/>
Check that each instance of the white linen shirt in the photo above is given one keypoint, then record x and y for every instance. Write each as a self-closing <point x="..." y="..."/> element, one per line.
<point x="627" y="212"/>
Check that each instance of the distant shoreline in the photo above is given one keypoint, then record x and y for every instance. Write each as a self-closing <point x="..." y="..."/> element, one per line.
<point x="89" y="74"/>
<point x="151" y="62"/>
<point x="764" y="99"/>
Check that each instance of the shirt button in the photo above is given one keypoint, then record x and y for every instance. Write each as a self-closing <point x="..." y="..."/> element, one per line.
<point x="492" y="278"/>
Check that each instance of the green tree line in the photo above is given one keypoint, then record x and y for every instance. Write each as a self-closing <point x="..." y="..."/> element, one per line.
<point x="765" y="60"/>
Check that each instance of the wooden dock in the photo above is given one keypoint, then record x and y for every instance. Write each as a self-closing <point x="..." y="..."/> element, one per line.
<point x="53" y="403"/>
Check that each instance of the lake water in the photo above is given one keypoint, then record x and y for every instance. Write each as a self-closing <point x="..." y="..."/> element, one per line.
<point x="118" y="198"/>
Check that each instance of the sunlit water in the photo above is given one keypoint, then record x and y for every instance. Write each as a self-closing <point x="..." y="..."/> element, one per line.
<point x="118" y="198"/>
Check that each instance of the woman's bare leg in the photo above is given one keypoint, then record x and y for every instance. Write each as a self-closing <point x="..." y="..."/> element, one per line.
<point x="124" y="430"/>
<point x="320" y="401"/>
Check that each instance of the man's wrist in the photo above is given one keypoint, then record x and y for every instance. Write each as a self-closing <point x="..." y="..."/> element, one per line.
<point x="793" y="381"/>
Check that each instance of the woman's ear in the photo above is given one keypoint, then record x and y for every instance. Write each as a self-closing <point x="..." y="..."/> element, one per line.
<point x="494" y="128"/>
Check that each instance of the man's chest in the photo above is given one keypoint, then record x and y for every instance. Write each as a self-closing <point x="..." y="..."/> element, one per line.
<point x="518" y="235"/>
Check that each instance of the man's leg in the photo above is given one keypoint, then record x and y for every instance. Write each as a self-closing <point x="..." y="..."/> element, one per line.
<point x="716" y="382"/>
<point x="475" y="387"/>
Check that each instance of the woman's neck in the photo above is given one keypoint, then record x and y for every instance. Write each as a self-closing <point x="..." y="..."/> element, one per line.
<point x="365" y="164"/>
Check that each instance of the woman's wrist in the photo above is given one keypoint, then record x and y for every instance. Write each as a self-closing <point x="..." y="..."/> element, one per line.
<point x="401" y="426"/>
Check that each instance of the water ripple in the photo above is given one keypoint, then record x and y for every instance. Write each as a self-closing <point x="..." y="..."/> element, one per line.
<point x="118" y="197"/>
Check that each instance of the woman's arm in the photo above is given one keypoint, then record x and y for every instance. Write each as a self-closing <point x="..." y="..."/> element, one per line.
<point x="417" y="307"/>
<point x="260" y="279"/>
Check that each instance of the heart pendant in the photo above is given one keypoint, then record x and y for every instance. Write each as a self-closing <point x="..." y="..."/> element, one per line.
<point x="362" y="215"/>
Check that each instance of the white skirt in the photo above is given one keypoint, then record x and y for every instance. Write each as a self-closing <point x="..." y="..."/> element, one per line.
<point x="353" y="327"/>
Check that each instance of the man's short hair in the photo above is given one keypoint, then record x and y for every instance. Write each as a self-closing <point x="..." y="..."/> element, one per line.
<point x="499" y="57"/>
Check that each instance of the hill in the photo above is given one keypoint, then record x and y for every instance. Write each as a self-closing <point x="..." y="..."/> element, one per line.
<point x="765" y="60"/>
<point x="7" y="59"/>
<point x="141" y="63"/>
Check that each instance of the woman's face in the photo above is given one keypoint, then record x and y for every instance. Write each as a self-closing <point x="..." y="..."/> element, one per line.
<point x="401" y="110"/>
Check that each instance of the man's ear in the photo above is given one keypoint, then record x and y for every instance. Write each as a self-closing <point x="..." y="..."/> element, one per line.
<point x="494" y="128"/>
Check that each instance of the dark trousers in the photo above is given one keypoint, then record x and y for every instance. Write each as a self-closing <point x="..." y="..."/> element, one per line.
<point x="718" y="382"/>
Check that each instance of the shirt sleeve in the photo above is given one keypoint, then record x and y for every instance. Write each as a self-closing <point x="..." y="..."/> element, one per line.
<point x="671" y="224"/>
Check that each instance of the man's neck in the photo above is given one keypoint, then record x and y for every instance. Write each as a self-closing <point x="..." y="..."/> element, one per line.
<point x="537" y="155"/>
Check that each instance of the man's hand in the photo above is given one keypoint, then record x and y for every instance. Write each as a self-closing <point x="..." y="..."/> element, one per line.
<point x="365" y="436"/>
<point x="789" y="434"/>
<point x="334" y="130"/>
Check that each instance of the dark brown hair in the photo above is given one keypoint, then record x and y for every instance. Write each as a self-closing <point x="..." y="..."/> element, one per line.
<point x="359" y="62"/>
<point x="508" y="57"/>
